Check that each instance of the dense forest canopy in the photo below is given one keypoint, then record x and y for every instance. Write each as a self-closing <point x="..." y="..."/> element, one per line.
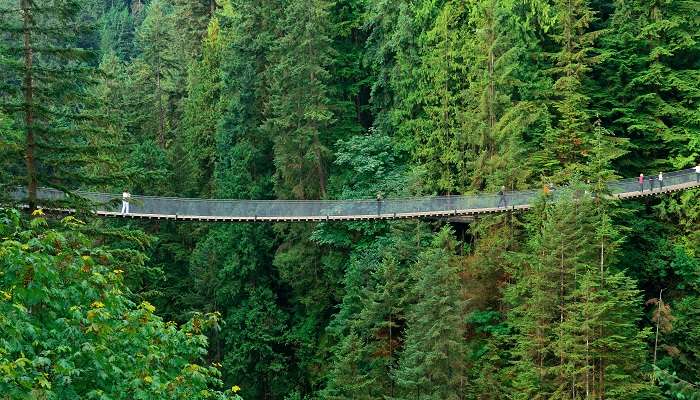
<point x="580" y="298"/>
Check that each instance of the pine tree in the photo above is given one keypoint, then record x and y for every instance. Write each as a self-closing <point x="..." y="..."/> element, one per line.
<point x="653" y="82"/>
<point x="232" y="276"/>
<point x="156" y="70"/>
<point x="569" y="141"/>
<point x="10" y="153"/>
<point x="191" y="21"/>
<point x="503" y="97"/>
<point x="432" y="364"/>
<point x="45" y="78"/>
<point x="395" y="31"/>
<point x="349" y="377"/>
<point x="349" y="83"/>
<point x="202" y="113"/>
<point x="573" y="313"/>
<point x="297" y="112"/>
<point x="439" y="129"/>
<point x="117" y="31"/>
<point x="107" y="98"/>
<point x="244" y="149"/>
<point x="232" y="264"/>
<point x="383" y="317"/>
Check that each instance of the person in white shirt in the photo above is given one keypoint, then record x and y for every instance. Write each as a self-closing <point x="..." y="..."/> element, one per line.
<point x="125" y="202"/>
<point x="697" y="173"/>
<point x="661" y="181"/>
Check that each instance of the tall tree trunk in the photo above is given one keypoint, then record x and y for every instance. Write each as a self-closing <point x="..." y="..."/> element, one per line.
<point x="319" y="165"/>
<point x="658" y="322"/>
<point x="491" y="71"/>
<point x="161" y="123"/>
<point x="25" y="5"/>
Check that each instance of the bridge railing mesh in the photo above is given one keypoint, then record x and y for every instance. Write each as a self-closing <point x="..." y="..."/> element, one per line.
<point x="433" y="205"/>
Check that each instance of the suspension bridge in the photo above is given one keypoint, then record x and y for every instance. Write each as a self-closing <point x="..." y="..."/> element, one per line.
<point x="222" y="210"/>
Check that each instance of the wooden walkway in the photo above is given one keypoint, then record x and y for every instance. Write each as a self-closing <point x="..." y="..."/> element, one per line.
<point x="455" y="208"/>
<point x="315" y="218"/>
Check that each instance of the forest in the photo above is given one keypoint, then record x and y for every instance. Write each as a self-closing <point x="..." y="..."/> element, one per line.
<point x="578" y="298"/>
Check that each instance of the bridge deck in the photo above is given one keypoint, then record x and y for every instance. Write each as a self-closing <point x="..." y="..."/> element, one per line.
<point x="184" y="209"/>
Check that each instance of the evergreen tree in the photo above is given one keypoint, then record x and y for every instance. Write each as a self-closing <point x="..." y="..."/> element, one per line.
<point x="383" y="317"/>
<point x="503" y="103"/>
<point x="191" y="21"/>
<point x="202" y="113"/>
<point x="573" y="313"/>
<point x="349" y="82"/>
<point x="569" y="141"/>
<point x="432" y="364"/>
<point x="117" y="32"/>
<point x="297" y="112"/>
<point x="232" y="276"/>
<point x="652" y="76"/>
<point x="10" y="152"/>
<point x="349" y="378"/>
<point x="232" y="264"/>
<point x="45" y="78"/>
<point x="439" y="129"/>
<point x="396" y="28"/>
<point x="156" y="70"/>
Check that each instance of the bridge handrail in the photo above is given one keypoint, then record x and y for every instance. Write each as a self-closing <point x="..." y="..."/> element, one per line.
<point x="339" y="208"/>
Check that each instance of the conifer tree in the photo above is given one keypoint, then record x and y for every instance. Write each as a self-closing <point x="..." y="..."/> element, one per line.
<point x="396" y="29"/>
<point x="503" y="100"/>
<point x="432" y="364"/>
<point x="156" y="70"/>
<point x="297" y="112"/>
<point x="439" y="129"/>
<point x="349" y="373"/>
<point x="349" y="83"/>
<point x="10" y="153"/>
<point x="232" y="264"/>
<point x="117" y="30"/>
<point x="652" y="82"/>
<point x="367" y="371"/>
<point x="573" y="313"/>
<point x="192" y="19"/>
<point x="203" y="112"/>
<point x="46" y="74"/>
<point x="383" y="317"/>
<point x="568" y="142"/>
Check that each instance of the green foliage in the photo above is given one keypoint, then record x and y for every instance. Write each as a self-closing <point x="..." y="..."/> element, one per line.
<point x="69" y="328"/>
<point x="350" y="99"/>
<point x="157" y="64"/>
<point x="10" y="150"/>
<point x="432" y="364"/>
<point x="298" y="115"/>
<point x="47" y="73"/>
<point x="202" y="113"/>
<point x="653" y="78"/>
<point x="574" y="316"/>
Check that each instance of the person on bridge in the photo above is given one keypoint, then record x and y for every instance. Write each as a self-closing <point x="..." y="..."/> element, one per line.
<point x="125" y="201"/>
<point x="547" y="189"/>
<point x="651" y="183"/>
<point x="379" y="204"/>
<point x="661" y="181"/>
<point x="641" y="182"/>
<point x="697" y="173"/>
<point x="502" y="200"/>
